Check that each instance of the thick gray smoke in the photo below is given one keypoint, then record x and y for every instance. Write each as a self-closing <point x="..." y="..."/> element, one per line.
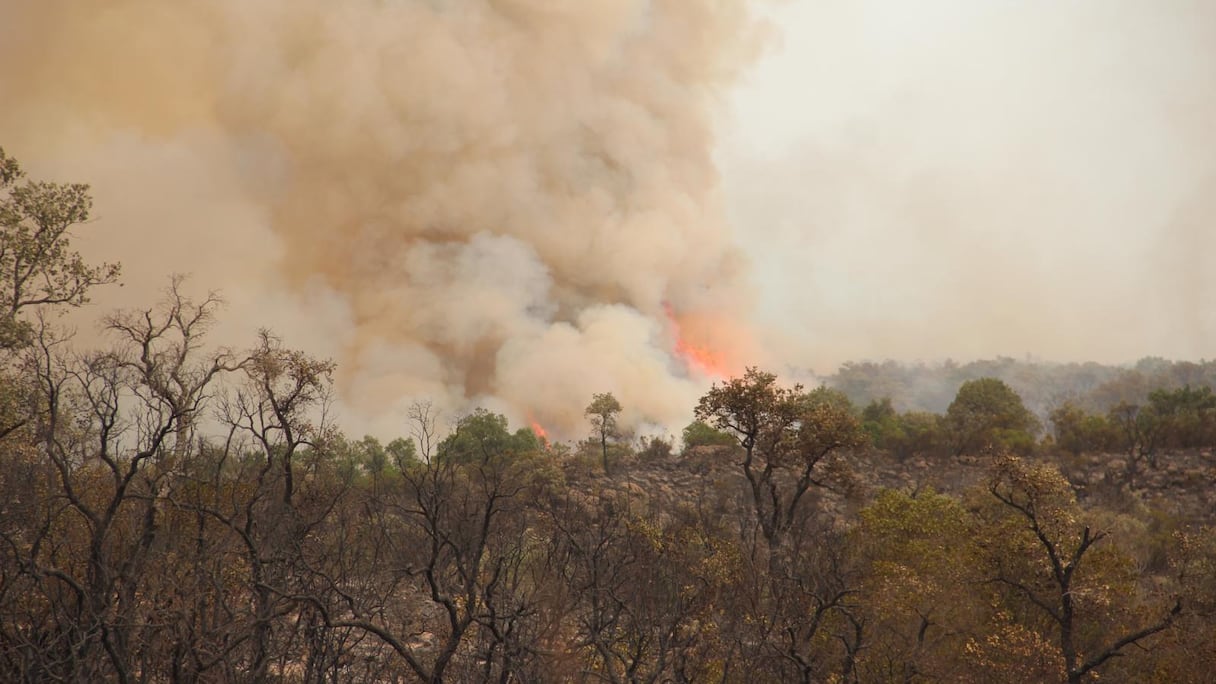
<point x="476" y="202"/>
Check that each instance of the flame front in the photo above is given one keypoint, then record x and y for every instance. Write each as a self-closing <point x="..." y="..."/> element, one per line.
<point x="539" y="431"/>
<point x="697" y="357"/>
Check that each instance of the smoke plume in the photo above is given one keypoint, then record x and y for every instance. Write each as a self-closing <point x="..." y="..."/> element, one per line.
<point x="475" y="202"/>
<point x="516" y="203"/>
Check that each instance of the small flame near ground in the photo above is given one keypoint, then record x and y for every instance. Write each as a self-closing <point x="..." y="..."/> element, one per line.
<point x="697" y="357"/>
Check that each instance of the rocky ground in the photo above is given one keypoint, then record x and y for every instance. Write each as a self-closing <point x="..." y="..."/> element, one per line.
<point x="1183" y="485"/>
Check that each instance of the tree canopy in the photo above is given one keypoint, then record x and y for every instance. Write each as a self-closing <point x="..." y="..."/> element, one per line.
<point x="986" y="413"/>
<point x="37" y="265"/>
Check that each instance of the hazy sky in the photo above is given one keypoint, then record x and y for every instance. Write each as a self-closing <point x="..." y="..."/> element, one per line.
<point x="966" y="179"/>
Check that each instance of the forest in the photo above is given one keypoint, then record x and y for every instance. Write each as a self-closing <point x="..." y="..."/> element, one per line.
<point x="174" y="511"/>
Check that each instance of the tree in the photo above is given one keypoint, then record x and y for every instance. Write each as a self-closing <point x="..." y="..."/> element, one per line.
<point x="602" y="411"/>
<point x="114" y="429"/>
<point x="903" y="435"/>
<point x="446" y="556"/>
<point x="699" y="434"/>
<point x="38" y="270"/>
<point x="918" y="433"/>
<point x="780" y="429"/>
<point x="37" y="266"/>
<point x="986" y="412"/>
<point x="637" y="587"/>
<point x="277" y="422"/>
<point x="918" y="549"/>
<point x="878" y="419"/>
<point x="1078" y="432"/>
<point x="1188" y="415"/>
<point x="1140" y="429"/>
<point x="403" y="453"/>
<point x="483" y="435"/>
<point x="1042" y="500"/>
<point x="795" y="596"/>
<point x="285" y="387"/>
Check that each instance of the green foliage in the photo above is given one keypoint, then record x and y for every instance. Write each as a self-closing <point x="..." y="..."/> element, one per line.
<point x="919" y="433"/>
<point x="826" y="427"/>
<point x="987" y="413"/>
<point x="827" y="396"/>
<point x="1188" y="415"/>
<point x="655" y="449"/>
<point x="371" y="455"/>
<point x="1178" y="418"/>
<point x="700" y="434"/>
<point x="368" y="456"/>
<point x="878" y="412"/>
<point x="37" y="265"/>
<point x="931" y="387"/>
<point x="786" y="427"/>
<point x="1140" y="433"/>
<point x="918" y="549"/>
<point x="754" y="408"/>
<point x="603" y="411"/>
<point x="403" y="452"/>
<point x="902" y="522"/>
<point x="482" y="436"/>
<point x="915" y="433"/>
<point x="10" y="170"/>
<point x="780" y="430"/>
<point x="1079" y="432"/>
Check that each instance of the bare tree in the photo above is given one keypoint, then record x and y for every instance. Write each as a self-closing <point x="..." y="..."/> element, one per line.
<point x="107" y="426"/>
<point x="635" y="589"/>
<point x="451" y="596"/>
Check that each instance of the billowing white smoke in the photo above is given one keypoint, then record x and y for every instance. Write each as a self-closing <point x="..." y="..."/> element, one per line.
<point x="476" y="202"/>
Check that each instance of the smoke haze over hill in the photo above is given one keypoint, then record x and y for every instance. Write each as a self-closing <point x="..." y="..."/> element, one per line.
<point x="972" y="179"/>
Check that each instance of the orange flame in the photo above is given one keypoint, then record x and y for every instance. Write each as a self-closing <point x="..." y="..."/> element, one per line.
<point x="539" y="431"/>
<point x="698" y="357"/>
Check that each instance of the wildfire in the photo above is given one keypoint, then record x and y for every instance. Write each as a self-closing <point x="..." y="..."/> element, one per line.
<point x="698" y="357"/>
<point x="539" y="431"/>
